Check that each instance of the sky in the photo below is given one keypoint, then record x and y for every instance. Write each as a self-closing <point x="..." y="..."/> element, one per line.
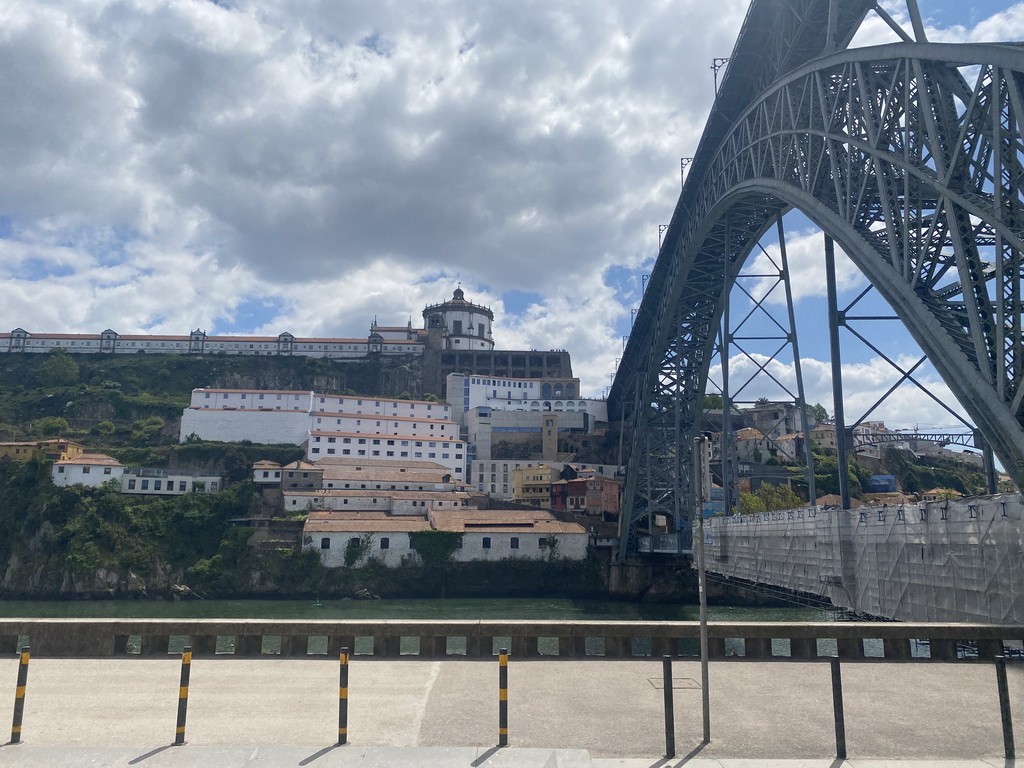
<point x="310" y="166"/>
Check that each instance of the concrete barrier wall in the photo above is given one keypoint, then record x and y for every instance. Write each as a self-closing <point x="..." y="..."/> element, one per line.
<point x="527" y="639"/>
<point x="942" y="561"/>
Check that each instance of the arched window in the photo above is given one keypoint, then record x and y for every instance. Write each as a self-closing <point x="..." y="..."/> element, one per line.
<point x="570" y="390"/>
<point x="325" y="543"/>
<point x="558" y="390"/>
<point x="545" y="391"/>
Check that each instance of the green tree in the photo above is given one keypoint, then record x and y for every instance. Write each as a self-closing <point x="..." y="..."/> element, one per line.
<point x="237" y="467"/>
<point x="751" y="504"/>
<point x="58" y="370"/>
<point x="776" y="497"/>
<point x="105" y="427"/>
<point x="819" y="414"/>
<point x="49" y="425"/>
<point x="713" y="402"/>
<point x="144" y="430"/>
<point x="357" y="549"/>
<point x="435" y="547"/>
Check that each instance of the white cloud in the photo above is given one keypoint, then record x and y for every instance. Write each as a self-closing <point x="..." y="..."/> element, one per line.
<point x="306" y="166"/>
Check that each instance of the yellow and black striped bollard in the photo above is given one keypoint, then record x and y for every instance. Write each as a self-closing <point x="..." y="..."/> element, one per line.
<point x="343" y="698"/>
<point x="503" y="697"/>
<point x="19" y="696"/>
<point x="186" y="666"/>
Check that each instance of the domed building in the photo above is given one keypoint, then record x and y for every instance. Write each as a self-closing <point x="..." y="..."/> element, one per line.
<point x="458" y="324"/>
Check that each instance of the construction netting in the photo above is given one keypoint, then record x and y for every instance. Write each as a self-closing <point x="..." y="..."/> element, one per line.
<point x="949" y="561"/>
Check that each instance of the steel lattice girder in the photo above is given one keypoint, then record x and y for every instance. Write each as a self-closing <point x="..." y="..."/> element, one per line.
<point x="915" y="171"/>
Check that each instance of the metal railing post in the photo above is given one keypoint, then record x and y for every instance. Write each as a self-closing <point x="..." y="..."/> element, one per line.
<point x="343" y="698"/>
<point x="19" y="696"/>
<point x="1004" y="708"/>
<point x="503" y="697"/>
<point x="837" y="709"/>
<point x="186" y="667"/>
<point x="670" y="715"/>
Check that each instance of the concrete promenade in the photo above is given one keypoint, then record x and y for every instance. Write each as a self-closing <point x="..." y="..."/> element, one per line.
<point x="593" y="712"/>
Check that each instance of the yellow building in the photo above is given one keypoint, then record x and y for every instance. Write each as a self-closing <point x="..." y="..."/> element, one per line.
<point x="532" y="485"/>
<point x="45" y="450"/>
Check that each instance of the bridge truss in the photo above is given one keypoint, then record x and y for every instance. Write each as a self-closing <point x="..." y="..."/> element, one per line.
<point x="908" y="155"/>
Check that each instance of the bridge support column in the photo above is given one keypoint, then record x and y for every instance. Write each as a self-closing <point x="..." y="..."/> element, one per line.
<point x="716" y="647"/>
<point x="942" y="650"/>
<point x="896" y="648"/>
<point x="850" y="647"/>
<point x="803" y="648"/>
<point x="757" y="647"/>
<point x="989" y="649"/>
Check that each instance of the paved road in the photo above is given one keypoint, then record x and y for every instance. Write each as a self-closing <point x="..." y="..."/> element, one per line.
<point x="610" y="709"/>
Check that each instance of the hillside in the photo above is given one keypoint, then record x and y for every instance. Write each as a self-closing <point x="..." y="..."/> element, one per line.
<point x="136" y="400"/>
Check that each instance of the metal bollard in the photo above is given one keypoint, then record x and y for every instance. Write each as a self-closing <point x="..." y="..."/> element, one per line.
<point x="186" y="666"/>
<point x="837" y="708"/>
<point x="1004" y="708"/>
<point x="19" y="696"/>
<point x="503" y="697"/>
<point x="670" y="716"/>
<point x="343" y="698"/>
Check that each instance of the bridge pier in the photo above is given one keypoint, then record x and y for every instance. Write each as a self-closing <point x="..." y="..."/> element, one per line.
<point x="896" y="648"/>
<point x="803" y="648"/>
<point x="757" y="647"/>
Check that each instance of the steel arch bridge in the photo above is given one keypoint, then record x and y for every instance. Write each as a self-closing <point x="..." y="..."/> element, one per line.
<point x="909" y="155"/>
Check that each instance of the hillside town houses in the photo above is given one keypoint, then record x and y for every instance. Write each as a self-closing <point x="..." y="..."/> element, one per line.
<point x="501" y="454"/>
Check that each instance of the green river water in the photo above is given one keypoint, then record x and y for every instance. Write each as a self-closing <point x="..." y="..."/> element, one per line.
<point x="437" y="609"/>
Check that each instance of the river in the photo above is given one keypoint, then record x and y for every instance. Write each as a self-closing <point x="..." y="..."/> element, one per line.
<point x="436" y="609"/>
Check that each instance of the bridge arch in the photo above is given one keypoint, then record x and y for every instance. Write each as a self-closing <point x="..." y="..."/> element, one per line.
<point x="915" y="171"/>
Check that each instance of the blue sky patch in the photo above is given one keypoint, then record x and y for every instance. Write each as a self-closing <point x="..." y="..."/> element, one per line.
<point x="248" y="315"/>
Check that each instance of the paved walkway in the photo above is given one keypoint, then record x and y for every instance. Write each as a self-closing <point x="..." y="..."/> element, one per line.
<point x="596" y="712"/>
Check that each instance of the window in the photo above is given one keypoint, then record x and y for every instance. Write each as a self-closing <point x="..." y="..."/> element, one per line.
<point x="60" y="470"/>
<point x="354" y="541"/>
<point x="487" y="542"/>
<point x="145" y="485"/>
<point x="325" y="543"/>
<point x="131" y="484"/>
<point x="157" y="485"/>
<point x="514" y="542"/>
<point x="385" y="542"/>
<point x="85" y="470"/>
<point x="181" y="486"/>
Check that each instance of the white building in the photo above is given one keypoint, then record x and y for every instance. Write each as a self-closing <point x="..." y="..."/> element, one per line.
<point x="329" y="426"/>
<point x="143" y="481"/>
<point x="391" y="501"/>
<point x="487" y="535"/>
<point x="466" y="392"/>
<point x="90" y="469"/>
<point x="405" y="426"/>
<point x="462" y="324"/>
<point x="398" y="450"/>
<point x="198" y="343"/>
<point x="233" y="426"/>
<point x="95" y="469"/>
